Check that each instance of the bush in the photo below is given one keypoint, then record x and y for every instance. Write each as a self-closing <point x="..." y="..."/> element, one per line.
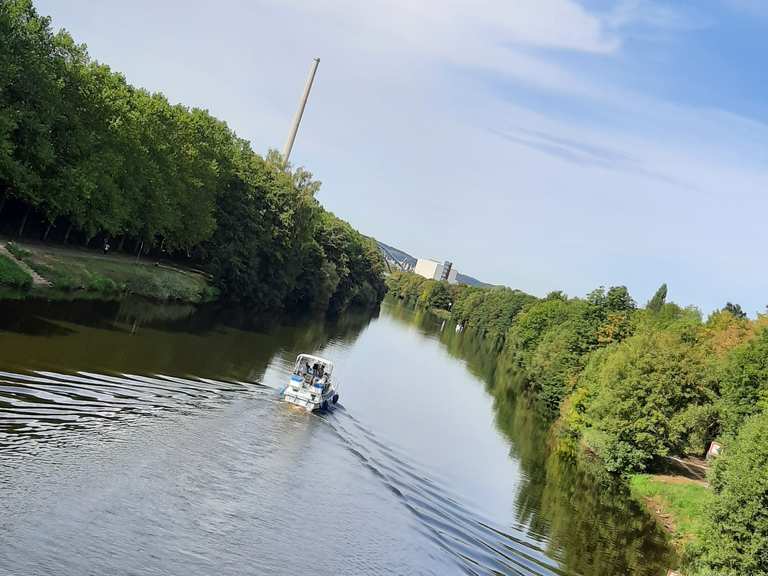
<point x="12" y="275"/>
<point x="736" y="529"/>
<point x="693" y="429"/>
<point x="744" y="382"/>
<point x="637" y="391"/>
<point x="436" y="295"/>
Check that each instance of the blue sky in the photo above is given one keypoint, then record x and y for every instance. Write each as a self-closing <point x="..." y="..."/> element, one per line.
<point x="542" y="144"/>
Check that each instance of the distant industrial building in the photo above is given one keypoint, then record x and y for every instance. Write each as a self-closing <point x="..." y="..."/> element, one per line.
<point x="433" y="270"/>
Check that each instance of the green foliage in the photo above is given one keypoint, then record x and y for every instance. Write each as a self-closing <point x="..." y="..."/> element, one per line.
<point x="12" y="276"/>
<point x="637" y="390"/>
<point x="736" y="530"/>
<point x="436" y="295"/>
<point x="735" y="309"/>
<point x="490" y="312"/>
<point x="635" y="386"/>
<point x="659" y="298"/>
<point x="84" y="150"/>
<point x="693" y="428"/>
<point x="551" y="339"/>
<point x="406" y="286"/>
<point x="744" y="382"/>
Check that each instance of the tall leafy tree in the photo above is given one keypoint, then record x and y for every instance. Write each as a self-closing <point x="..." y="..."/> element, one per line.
<point x="734" y="309"/>
<point x="659" y="298"/>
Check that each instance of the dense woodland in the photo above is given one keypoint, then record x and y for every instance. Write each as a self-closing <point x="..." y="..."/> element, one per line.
<point x="86" y="157"/>
<point x="634" y="385"/>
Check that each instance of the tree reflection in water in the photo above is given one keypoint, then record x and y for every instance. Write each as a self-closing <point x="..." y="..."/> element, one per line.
<point x="591" y="524"/>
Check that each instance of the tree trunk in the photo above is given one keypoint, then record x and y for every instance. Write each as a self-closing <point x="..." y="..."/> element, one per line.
<point x="47" y="231"/>
<point x="24" y="221"/>
<point x="138" y="254"/>
<point x="122" y="241"/>
<point x="66" y="235"/>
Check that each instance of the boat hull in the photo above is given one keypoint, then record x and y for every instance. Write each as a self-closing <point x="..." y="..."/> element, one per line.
<point x="310" y="402"/>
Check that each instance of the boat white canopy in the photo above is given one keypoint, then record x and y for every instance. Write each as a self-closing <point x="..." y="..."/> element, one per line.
<point x="308" y="359"/>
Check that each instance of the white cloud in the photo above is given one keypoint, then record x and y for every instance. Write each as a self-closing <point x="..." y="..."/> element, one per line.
<point x="653" y="14"/>
<point x="452" y="26"/>
<point x="399" y="128"/>
<point x="485" y="34"/>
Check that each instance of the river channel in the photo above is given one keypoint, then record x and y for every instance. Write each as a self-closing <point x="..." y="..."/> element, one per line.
<point x="141" y="440"/>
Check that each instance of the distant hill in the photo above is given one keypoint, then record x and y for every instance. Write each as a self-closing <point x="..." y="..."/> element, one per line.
<point x="396" y="254"/>
<point x="469" y="281"/>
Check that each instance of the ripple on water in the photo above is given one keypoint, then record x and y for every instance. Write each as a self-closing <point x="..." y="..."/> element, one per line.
<point x="42" y="407"/>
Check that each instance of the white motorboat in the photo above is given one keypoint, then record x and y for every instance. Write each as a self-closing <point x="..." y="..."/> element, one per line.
<point x="311" y="385"/>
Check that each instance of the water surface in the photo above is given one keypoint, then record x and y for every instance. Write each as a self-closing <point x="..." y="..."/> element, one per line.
<point x="141" y="440"/>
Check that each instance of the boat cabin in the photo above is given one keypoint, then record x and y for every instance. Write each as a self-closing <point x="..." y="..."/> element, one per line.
<point x="312" y="369"/>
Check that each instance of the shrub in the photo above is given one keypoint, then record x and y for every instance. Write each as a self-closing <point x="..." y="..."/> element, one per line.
<point x="736" y="528"/>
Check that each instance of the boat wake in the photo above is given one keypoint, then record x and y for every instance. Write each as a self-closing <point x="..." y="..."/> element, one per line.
<point x="39" y="405"/>
<point x="475" y="544"/>
<point x="47" y="407"/>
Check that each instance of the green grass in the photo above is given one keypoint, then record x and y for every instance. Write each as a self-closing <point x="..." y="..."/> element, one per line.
<point x="18" y="251"/>
<point x="148" y="280"/>
<point x="73" y="272"/>
<point x="13" y="276"/>
<point x="685" y="502"/>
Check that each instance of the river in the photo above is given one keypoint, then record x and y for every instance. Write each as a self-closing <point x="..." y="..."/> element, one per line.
<point x="141" y="440"/>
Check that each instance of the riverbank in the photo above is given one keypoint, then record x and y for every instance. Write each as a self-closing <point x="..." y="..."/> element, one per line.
<point x="56" y="272"/>
<point x="638" y="387"/>
<point x="677" y="503"/>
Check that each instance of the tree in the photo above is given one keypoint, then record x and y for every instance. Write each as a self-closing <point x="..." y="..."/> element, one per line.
<point x="81" y="146"/>
<point x="636" y="389"/>
<point x="735" y="309"/>
<point x="659" y="298"/>
<point x="436" y="295"/>
<point x="736" y="530"/>
<point x="744" y="382"/>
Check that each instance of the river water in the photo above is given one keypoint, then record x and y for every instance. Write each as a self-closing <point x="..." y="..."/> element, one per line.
<point x="137" y="440"/>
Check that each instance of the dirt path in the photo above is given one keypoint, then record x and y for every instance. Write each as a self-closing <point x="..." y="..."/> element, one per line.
<point x="37" y="280"/>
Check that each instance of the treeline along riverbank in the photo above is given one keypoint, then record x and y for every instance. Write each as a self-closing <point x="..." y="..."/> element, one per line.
<point x="88" y="159"/>
<point x="634" y="386"/>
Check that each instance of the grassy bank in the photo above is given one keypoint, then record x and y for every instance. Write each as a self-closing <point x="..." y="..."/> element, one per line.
<point x="74" y="273"/>
<point x="12" y="275"/>
<point x="678" y="504"/>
